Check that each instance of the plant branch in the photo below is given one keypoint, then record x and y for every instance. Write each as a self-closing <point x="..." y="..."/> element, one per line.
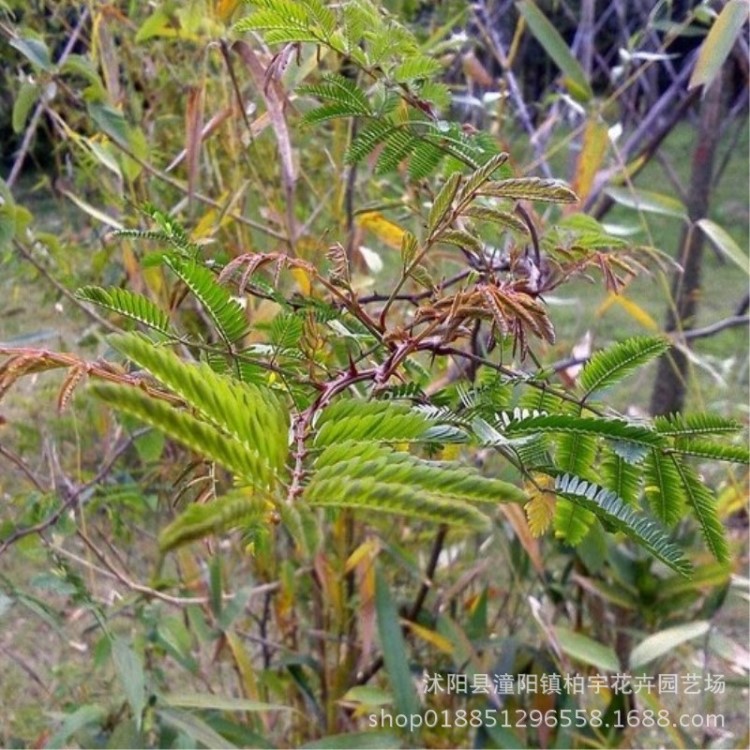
<point x="710" y="330"/>
<point x="28" y="256"/>
<point x="21" y="464"/>
<point x="73" y="496"/>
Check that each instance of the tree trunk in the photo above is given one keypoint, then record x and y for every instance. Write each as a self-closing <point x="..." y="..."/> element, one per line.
<point x="671" y="379"/>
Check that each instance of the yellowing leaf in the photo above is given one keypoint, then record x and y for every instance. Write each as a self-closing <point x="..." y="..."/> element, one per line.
<point x="368" y="550"/>
<point x="540" y="510"/>
<point x="430" y="636"/>
<point x="521" y="529"/>
<point x="158" y="24"/>
<point x="631" y="308"/>
<point x="384" y="229"/>
<point x="206" y="226"/>
<point x="244" y="665"/>
<point x="225" y="8"/>
<point x="304" y="281"/>
<point x="450" y="452"/>
<point x="154" y="279"/>
<point x="593" y="151"/>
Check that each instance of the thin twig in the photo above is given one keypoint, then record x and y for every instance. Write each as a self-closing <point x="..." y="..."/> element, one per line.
<point x="429" y="575"/>
<point x="417" y="296"/>
<point x="710" y="330"/>
<point x="26" y="668"/>
<point x="181" y="601"/>
<point x="62" y="289"/>
<point x="19" y="462"/>
<point x="40" y="107"/>
<point x="73" y="495"/>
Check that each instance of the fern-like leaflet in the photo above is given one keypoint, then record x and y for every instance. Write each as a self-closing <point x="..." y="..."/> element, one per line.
<point x="610" y="509"/>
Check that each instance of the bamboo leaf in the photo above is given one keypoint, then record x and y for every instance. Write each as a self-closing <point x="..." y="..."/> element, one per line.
<point x="591" y="157"/>
<point x="130" y="672"/>
<point x="665" y="642"/>
<point x="219" y="702"/>
<point x="78" y="719"/>
<point x="387" y="231"/>
<point x="195" y="728"/>
<point x="394" y="648"/>
<point x="648" y="201"/>
<point x="725" y="244"/>
<point x="719" y="42"/>
<point x="586" y="650"/>
<point x="554" y="45"/>
<point x="633" y="309"/>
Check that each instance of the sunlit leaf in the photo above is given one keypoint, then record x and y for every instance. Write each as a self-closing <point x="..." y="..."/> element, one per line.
<point x="648" y="201"/>
<point x="586" y="650"/>
<point x="591" y="157"/>
<point x="219" y="702"/>
<point x="719" y="42"/>
<point x="665" y="641"/>
<point x="725" y="244"/>
<point x="391" y="234"/>
<point x="34" y="50"/>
